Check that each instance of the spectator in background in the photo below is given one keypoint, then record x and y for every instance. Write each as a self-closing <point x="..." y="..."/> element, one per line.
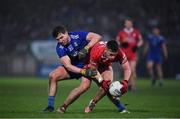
<point x="155" y="47"/>
<point x="130" y="40"/>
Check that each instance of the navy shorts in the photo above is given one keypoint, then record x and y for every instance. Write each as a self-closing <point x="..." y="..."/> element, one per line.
<point x="155" y="58"/>
<point x="74" y="75"/>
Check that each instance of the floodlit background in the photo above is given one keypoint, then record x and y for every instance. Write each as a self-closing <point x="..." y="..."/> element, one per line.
<point x="25" y="22"/>
<point x="27" y="54"/>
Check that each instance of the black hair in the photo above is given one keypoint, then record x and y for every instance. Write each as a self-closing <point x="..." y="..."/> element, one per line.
<point x="128" y="19"/>
<point x="112" y="45"/>
<point x="155" y="27"/>
<point x="57" y="30"/>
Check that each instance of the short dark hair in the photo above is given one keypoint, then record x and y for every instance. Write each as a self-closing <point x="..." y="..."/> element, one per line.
<point x="128" y="19"/>
<point x="112" y="45"/>
<point x="57" y="30"/>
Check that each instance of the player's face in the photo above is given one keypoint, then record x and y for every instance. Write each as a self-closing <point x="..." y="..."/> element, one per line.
<point x="156" y="31"/>
<point x="110" y="55"/>
<point x="63" y="39"/>
<point x="128" y="24"/>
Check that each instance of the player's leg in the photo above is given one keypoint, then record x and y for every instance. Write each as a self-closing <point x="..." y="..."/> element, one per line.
<point x="150" y="64"/>
<point x="56" y="75"/>
<point x="75" y="93"/>
<point x="106" y="75"/>
<point x="159" y="73"/>
<point x="109" y="74"/>
<point x="133" y="75"/>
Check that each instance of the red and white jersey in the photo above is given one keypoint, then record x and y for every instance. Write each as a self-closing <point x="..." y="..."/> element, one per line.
<point x="97" y="57"/>
<point x="132" y="36"/>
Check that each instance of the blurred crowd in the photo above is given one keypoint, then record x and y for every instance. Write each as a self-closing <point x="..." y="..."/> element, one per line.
<point x="22" y="21"/>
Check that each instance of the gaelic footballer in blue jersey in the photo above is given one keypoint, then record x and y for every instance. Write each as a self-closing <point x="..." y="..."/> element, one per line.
<point x="72" y="49"/>
<point x="155" y="48"/>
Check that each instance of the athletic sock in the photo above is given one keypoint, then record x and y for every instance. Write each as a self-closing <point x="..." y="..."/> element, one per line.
<point x="118" y="104"/>
<point x="160" y="82"/>
<point x="51" y="101"/>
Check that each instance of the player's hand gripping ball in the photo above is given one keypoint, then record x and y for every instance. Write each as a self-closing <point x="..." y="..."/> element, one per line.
<point x="117" y="89"/>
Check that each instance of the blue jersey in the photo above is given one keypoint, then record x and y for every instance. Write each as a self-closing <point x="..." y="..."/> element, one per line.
<point x="155" y="44"/>
<point x="155" y="48"/>
<point x="77" y="42"/>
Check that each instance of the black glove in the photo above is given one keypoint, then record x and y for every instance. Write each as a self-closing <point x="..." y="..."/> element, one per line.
<point x="89" y="72"/>
<point x="135" y="48"/>
<point x="82" y="53"/>
<point x="124" y="45"/>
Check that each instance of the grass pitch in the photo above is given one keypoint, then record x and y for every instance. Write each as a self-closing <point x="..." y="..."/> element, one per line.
<point x="26" y="97"/>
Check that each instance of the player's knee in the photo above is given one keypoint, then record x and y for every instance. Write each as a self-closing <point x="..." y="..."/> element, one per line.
<point x="149" y="67"/>
<point x="52" y="77"/>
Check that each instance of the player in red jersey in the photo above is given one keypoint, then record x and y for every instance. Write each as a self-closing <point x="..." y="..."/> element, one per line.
<point x="101" y="57"/>
<point x="130" y="39"/>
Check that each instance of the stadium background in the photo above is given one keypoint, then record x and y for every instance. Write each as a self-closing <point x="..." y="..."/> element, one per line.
<point x="27" y="54"/>
<point x="23" y="22"/>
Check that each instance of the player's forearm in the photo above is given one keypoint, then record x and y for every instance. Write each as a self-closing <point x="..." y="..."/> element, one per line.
<point x="127" y="71"/>
<point x="165" y="51"/>
<point x="145" y="49"/>
<point x="140" y="43"/>
<point x="73" y="68"/>
<point x="98" y="76"/>
<point x="93" y="40"/>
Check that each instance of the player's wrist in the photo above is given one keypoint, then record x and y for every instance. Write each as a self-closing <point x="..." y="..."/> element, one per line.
<point x="87" y="47"/>
<point x="125" y="80"/>
<point x="83" y="71"/>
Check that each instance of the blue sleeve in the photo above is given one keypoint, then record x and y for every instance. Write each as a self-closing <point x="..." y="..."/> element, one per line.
<point x="60" y="51"/>
<point x="83" y="35"/>
<point x="147" y="38"/>
<point x="163" y="40"/>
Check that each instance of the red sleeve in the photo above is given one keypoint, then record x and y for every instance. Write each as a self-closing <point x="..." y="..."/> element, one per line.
<point x="138" y="33"/>
<point x="121" y="57"/>
<point x="122" y="36"/>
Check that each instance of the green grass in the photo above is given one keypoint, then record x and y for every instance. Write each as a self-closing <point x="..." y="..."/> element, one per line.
<point x="26" y="97"/>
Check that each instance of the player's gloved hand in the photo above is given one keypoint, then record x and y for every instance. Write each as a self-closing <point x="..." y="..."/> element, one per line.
<point x="105" y="84"/>
<point x="135" y="48"/>
<point x="89" y="72"/>
<point x="124" y="44"/>
<point x="82" y="53"/>
<point x="124" y="89"/>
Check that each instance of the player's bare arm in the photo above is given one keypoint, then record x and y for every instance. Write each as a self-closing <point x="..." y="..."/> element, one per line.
<point x="85" y="72"/>
<point x="146" y="47"/>
<point x="127" y="70"/>
<point x="140" y="42"/>
<point x="93" y="38"/>
<point x="164" y="49"/>
<point x="65" y="60"/>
